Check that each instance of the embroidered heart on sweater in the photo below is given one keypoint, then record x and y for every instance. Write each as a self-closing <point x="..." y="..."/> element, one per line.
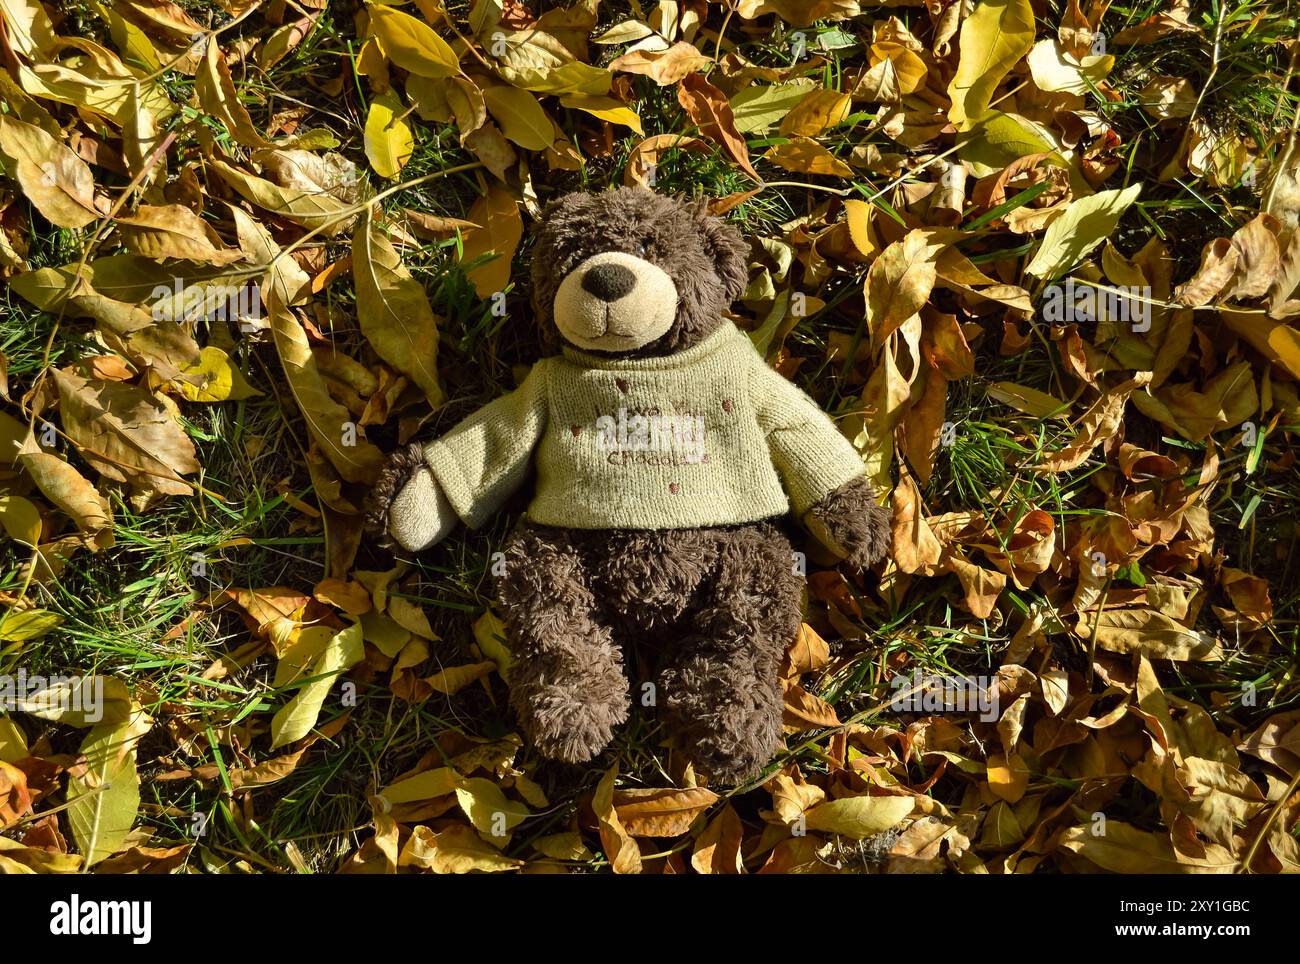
<point x="727" y="405"/>
<point x="576" y="430"/>
<point x="674" y="488"/>
<point x="622" y="384"/>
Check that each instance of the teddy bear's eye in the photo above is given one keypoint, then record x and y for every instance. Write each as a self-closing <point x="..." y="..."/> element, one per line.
<point x="642" y="248"/>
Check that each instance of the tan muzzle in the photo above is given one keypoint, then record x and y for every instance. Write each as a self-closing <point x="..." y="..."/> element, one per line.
<point x="615" y="302"/>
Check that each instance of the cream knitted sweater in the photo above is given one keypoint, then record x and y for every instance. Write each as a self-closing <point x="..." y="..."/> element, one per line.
<point x="709" y="436"/>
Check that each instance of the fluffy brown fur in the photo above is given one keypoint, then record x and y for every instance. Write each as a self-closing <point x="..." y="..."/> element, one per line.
<point x="858" y="525"/>
<point x="710" y="610"/>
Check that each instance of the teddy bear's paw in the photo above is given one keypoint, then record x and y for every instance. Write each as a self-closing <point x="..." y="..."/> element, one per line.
<point x="570" y="723"/>
<point x="420" y="516"/>
<point x="407" y="508"/>
<point x="729" y="732"/>
<point x="850" y="522"/>
<point x="735" y="758"/>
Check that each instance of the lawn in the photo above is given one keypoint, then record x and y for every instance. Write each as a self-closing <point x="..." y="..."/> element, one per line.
<point x="1040" y="264"/>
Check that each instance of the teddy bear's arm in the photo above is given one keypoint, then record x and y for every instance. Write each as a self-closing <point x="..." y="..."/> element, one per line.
<point x="849" y="521"/>
<point x="467" y="474"/>
<point x="821" y="470"/>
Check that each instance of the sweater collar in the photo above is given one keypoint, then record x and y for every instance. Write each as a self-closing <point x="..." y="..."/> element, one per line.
<point x="727" y="334"/>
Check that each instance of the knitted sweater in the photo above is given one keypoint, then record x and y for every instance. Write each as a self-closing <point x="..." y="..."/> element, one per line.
<point x="705" y="437"/>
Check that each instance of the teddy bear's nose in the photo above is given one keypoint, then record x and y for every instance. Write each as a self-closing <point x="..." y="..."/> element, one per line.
<point x="608" y="282"/>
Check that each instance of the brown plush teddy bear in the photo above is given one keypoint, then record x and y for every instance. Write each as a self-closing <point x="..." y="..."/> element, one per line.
<point x="662" y="452"/>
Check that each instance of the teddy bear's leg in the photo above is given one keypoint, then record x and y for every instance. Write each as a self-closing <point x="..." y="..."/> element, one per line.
<point x="720" y="686"/>
<point x="567" y="684"/>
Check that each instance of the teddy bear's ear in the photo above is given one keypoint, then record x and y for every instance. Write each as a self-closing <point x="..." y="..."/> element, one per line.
<point x="729" y="249"/>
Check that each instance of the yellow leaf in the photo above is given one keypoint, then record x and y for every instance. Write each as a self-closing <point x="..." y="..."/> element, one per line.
<point x="126" y="433"/>
<point x="499" y="237"/>
<point x="859" y="215"/>
<point x="1008" y="776"/>
<point x="1085" y="224"/>
<point x="389" y="142"/>
<point x="717" y="851"/>
<point x="858" y="817"/>
<point x="982" y="586"/>
<point x="19" y="627"/>
<point x="815" y="112"/>
<point x="13" y="745"/>
<point x="521" y="117"/>
<point x="490" y="634"/>
<point x="298" y="656"/>
<point x="622" y="851"/>
<point x="174" y="231"/>
<point x="997" y="139"/>
<point x="1278" y="342"/>
<point x="453" y="679"/>
<point x="1123" y="849"/>
<point x="423" y="786"/>
<point x="899" y="282"/>
<point x="412" y="44"/>
<point x="759" y="108"/>
<point x="993" y="39"/>
<point x="311" y="209"/>
<point x="1053" y="69"/>
<point x="562" y="846"/>
<point x="103" y="799"/>
<point x="806" y="156"/>
<point x="384" y="633"/>
<point x="664" y="67"/>
<point x="79" y="701"/>
<point x="21" y="519"/>
<point x="571" y="78"/>
<point x="1099" y="423"/>
<point x="219" y="96"/>
<point x="459" y="850"/>
<point x="214" y="379"/>
<point x="809" y="652"/>
<point x="488" y="809"/>
<point x="606" y="108"/>
<point x="806" y="711"/>
<point x="1151" y="633"/>
<point x="55" y="180"/>
<point x="1027" y="400"/>
<point x="295" y="719"/>
<point x="394" y="311"/>
<point x="329" y="423"/>
<point x="909" y="68"/>
<point x="661" y="812"/>
<point x="467" y="106"/>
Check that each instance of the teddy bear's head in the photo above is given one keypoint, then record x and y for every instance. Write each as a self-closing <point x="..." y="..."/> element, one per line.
<point x="629" y="272"/>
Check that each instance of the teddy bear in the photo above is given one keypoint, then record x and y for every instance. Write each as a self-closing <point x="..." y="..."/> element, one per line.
<point x="663" y="454"/>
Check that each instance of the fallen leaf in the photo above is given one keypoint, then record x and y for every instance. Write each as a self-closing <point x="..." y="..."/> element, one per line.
<point x="394" y="312"/>
<point x="296" y="718"/>
<point x="661" y="813"/>
<point x="104" y="798"/>
<point x="859" y="817"/>
<point x="993" y="38"/>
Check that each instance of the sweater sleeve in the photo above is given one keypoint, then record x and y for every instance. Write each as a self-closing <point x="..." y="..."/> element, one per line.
<point x="810" y="454"/>
<point x="487" y="456"/>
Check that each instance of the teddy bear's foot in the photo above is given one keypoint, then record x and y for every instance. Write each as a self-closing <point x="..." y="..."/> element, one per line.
<point x="719" y="686"/>
<point x="566" y="684"/>
<point x="568" y="709"/>
<point x="725" y="715"/>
